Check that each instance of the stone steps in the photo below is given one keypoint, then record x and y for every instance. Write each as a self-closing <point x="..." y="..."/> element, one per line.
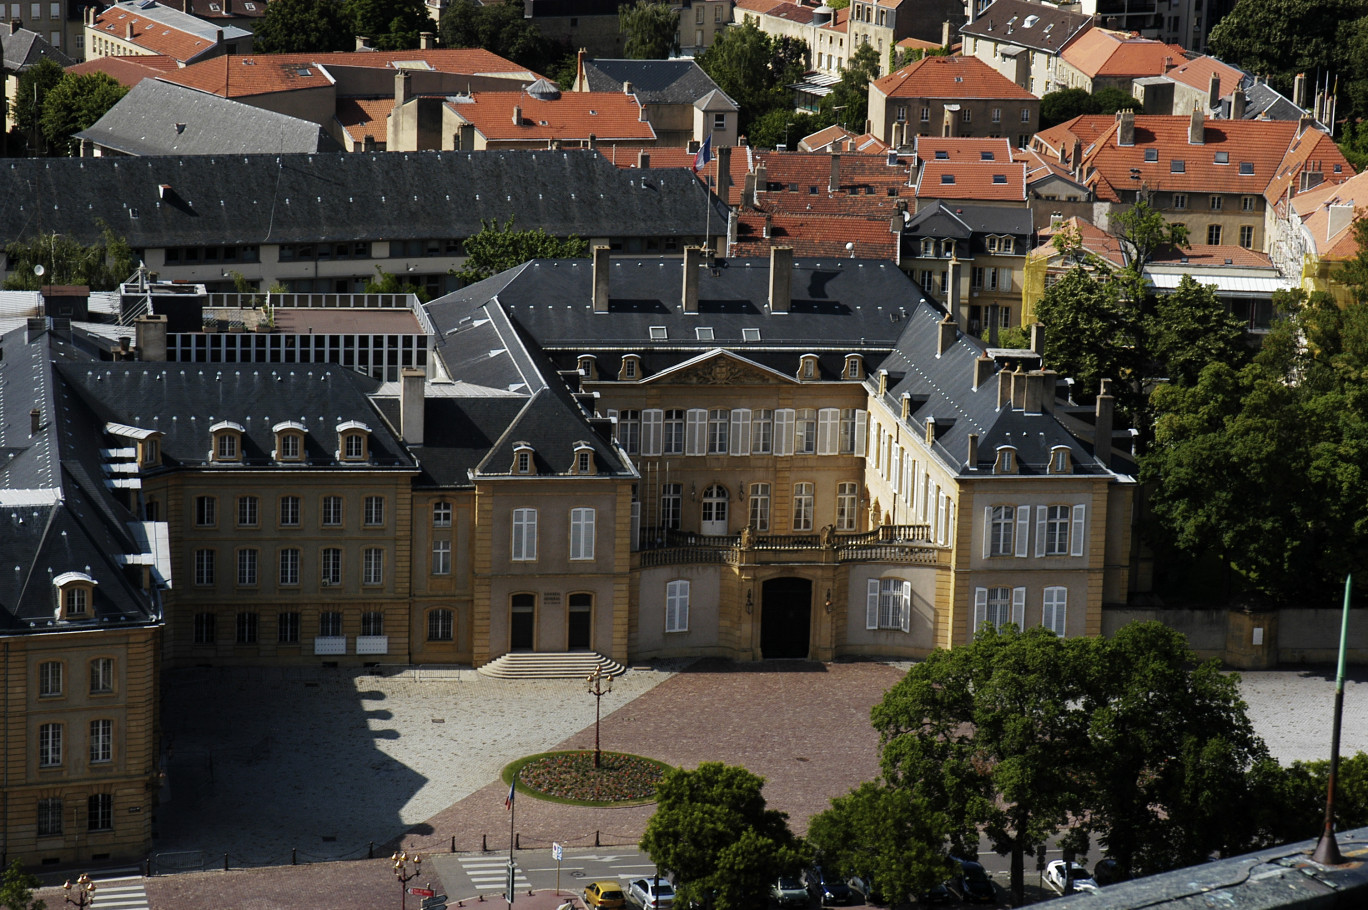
<point x="550" y="665"/>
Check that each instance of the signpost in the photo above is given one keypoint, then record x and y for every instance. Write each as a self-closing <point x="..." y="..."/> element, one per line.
<point x="422" y="892"/>
<point x="558" y="854"/>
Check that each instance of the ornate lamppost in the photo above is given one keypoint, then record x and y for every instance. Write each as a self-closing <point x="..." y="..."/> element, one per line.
<point x="600" y="684"/>
<point x="404" y="874"/>
<point x="84" y="890"/>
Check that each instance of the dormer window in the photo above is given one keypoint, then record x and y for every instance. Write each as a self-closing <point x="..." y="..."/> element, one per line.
<point x="807" y="370"/>
<point x="584" y="459"/>
<point x="854" y="367"/>
<point x="227" y="437"/>
<point x="631" y="367"/>
<point x="1006" y="460"/>
<point x="289" y="441"/>
<point x="75" y="594"/>
<point x="522" y="458"/>
<point x="588" y="366"/>
<point x="353" y="438"/>
<point x="149" y="451"/>
<point x="1061" y="460"/>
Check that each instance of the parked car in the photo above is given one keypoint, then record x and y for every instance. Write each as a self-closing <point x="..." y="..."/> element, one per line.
<point x="606" y="895"/>
<point x="827" y="886"/>
<point x="937" y="895"/>
<point x="651" y="894"/>
<point x="789" y="892"/>
<point x="1107" y="872"/>
<point x="1059" y="875"/>
<point x="864" y="886"/>
<point x="973" y="883"/>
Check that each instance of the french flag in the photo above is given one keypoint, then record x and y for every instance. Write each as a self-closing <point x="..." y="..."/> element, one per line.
<point x="704" y="155"/>
<point x="508" y="800"/>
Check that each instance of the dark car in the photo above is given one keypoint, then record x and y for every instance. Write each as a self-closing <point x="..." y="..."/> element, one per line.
<point x="937" y="895"/>
<point x="973" y="883"/>
<point x="828" y="886"/>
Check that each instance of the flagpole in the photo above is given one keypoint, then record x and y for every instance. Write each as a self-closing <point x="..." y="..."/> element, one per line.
<point x="1327" y="851"/>
<point x="512" y="813"/>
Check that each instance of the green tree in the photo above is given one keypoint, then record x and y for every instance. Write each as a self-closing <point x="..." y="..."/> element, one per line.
<point x="74" y="104"/>
<point x="886" y="834"/>
<point x="1063" y="105"/>
<point x="31" y="91"/>
<point x="500" y="28"/>
<point x="390" y="283"/>
<point x="784" y="127"/>
<point x="1280" y="38"/>
<point x="304" y="26"/>
<point x="711" y="828"/>
<point x="1294" y="798"/>
<point x="392" y="25"/>
<point x="848" y="103"/>
<point x="1110" y="99"/>
<point x="1191" y="328"/>
<point x="16" y="889"/>
<point x="990" y="736"/>
<point x="753" y="69"/>
<point x="498" y="247"/>
<point x="652" y="30"/>
<point x="1090" y="331"/>
<point x="101" y="266"/>
<point x="1143" y="231"/>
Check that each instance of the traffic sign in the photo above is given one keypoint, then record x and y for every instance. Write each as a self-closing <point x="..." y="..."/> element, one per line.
<point x="557" y="851"/>
<point x="422" y="892"/>
<point x="437" y="902"/>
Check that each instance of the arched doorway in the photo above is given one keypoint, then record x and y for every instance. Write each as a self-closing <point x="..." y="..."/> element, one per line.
<point x="714" y="510"/>
<point x="785" y="618"/>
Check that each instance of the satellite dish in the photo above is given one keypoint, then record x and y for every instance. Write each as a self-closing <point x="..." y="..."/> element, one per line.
<point x="40" y="270"/>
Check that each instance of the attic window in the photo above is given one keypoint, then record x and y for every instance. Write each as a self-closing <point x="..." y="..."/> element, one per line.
<point x="593" y="113"/>
<point x="1151" y="154"/>
<point x="303" y="71"/>
<point x="704" y="333"/>
<point x="659" y="333"/>
<point x="942" y="155"/>
<point x="352" y="441"/>
<point x="752" y="334"/>
<point x="1339" y="169"/>
<point x="1177" y="166"/>
<point x="1246" y="169"/>
<point x="999" y="178"/>
<point x="959" y="78"/>
<point x="947" y="178"/>
<point x="1030" y="21"/>
<point x="1223" y="157"/>
<point x="986" y="156"/>
<point x="250" y="6"/>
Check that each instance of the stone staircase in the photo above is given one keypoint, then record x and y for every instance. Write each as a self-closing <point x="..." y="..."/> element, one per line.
<point x="550" y="665"/>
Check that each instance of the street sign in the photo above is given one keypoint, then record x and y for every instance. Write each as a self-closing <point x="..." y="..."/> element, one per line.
<point x="436" y="902"/>
<point x="557" y="851"/>
<point x="422" y="892"/>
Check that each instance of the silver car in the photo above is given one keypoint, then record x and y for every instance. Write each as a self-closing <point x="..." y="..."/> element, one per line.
<point x="650" y="894"/>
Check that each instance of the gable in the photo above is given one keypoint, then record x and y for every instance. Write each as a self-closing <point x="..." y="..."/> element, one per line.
<point x="720" y="368"/>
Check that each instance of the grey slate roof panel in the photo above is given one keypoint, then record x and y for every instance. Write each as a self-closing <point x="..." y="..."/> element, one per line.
<point x="24" y="47"/>
<point x="249" y="199"/>
<point x="1053" y="29"/>
<point x="653" y="81"/>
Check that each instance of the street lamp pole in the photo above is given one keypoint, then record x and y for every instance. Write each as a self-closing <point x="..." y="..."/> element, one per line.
<point x="598" y="690"/>
<point x="84" y="890"/>
<point x="403" y="874"/>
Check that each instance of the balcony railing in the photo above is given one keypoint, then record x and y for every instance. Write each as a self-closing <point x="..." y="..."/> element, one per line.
<point x="330" y="644"/>
<point x="888" y="543"/>
<point x="372" y="644"/>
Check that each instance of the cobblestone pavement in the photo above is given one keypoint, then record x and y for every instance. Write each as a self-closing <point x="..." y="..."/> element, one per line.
<point x="326" y="762"/>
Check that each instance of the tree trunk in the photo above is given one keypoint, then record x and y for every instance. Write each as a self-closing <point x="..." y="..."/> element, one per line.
<point x="1018" y="872"/>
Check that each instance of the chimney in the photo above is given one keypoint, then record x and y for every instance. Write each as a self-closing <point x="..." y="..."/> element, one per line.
<point x="748" y="191"/>
<point x="601" y="279"/>
<point x="593" y="141"/>
<point x="579" y="70"/>
<point x="947" y="333"/>
<point x="1304" y="123"/>
<point x="769" y="226"/>
<point x="1196" y="127"/>
<point x="15" y="25"/>
<point x="151" y="338"/>
<point x="412" y="406"/>
<point x="1051" y="387"/>
<point x="403" y="87"/>
<point x="1076" y="161"/>
<point x="983" y="369"/>
<point x="1004" y="388"/>
<point x="971" y="457"/>
<point x="426" y="41"/>
<point x="1038" y="338"/>
<point x="883" y="383"/>
<point x="945" y="33"/>
<point x="128" y="32"/>
<point x="1214" y="90"/>
<point x="517" y="113"/>
<point x="780" y="279"/>
<point x="723" y="187"/>
<point x="1299" y="91"/>
<point x="368" y="143"/>
<point x="930" y="430"/>
<point x="834" y="184"/>
<point x="1168" y="65"/>
<point x="1125" y="131"/>
<point x="1018" y="389"/>
<point x="1035" y="392"/>
<point x="35" y="421"/>
<point x="1238" y="103"/>
<point x="954" y="278"/>
<point x="218" y="34"/>
<point x="1102" y="424"/>
<point x="693" y="258"/>
<point x="644" y="160"/>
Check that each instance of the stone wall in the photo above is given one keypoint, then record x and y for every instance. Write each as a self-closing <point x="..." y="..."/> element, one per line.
<point x="1257" y="640"/>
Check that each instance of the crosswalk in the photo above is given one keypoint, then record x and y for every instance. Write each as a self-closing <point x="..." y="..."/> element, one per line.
<point x="120" y="889"/>
<point x="489" y="873"/>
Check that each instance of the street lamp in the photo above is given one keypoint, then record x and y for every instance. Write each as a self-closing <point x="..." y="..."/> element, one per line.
<point x="598" y="690"/>
<point x="85" y="892"/>
<point x="404" y="874"/>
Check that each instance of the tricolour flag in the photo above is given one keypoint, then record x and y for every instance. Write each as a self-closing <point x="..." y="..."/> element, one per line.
<point x="508" y="800"/>
<point x="704" y="155"/>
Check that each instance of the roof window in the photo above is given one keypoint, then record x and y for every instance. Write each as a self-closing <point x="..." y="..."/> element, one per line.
<point x="1246" y="169"/>
<point x="1223" y="157"/>
<point x="1151" y="154"/>
<point x="999" y="178"/>
<point x="986" y="156"/>
<point x="1030" y="21"/>
<point x="659" y="333"/>
<point x="1177" y="166"/>
<point x="947" y="178"/>
<point x="750" y="334"/>
<point x="942" y="155"/>
<point x="704" y="333"/>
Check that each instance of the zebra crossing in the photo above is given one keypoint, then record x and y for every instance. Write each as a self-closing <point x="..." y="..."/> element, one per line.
<point x="490" y="873"/>
<point x="120" y="889"/>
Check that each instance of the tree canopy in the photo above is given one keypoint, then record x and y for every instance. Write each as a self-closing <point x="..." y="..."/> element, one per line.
<point x="74" y="104"/>
<point x="392" y="25"/>
<point x="712" y="829"/>
<point x="31" y="91"/>
<point x="16" y="889"/>
<point x="101" y="266"/>
<point x="498" y="247"/>
<point x="848" y="103"/>
<point x="304" y="26"/>
<point x="652" y="30"/>
<point x="500" y="28"/>
<point x="754" y="68"/>
<point x="1067" y="103"/>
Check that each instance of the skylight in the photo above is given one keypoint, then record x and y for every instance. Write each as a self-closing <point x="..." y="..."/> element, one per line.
<point x="947" y="178"/>
<point x="1223" y="157"/>
<point x="1247" y="168"/>
<point x="704" y="333"/>
<point x="750" y="334"/>
<point x="659" y="333"/>
<point x="1151" y="154"/>
<point x="1030" y="21"/>
<point x="1177" y="166"/>
<point x="986" y="156"/>
<point x="999" y="178"/>
<point x="942" y="155"/>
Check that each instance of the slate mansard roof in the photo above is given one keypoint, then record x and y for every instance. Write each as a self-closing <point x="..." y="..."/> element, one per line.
<point x="653" y="81"/>
<point x="215" y="199"/>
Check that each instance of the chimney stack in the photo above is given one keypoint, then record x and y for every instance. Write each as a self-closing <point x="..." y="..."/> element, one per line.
<point x="769" y="226"/>
<point x="427" y="41"/>
<point x="151" y="338"/>
<point x="1299" y="91"/>
<point x="780" y="279"/>
<point x="1125" y="130"/>
<point x="947" y="333"/>
<point x="1214" y="90"/>
<point x="1238" y="103"/>
<point x="35" y="421"/>
<point x="1051" y="385"/>
<point x="412" y="406"/>
<point x="1102" y="424"/>
<point x="954" y="278"/>
<point x="593" y="141"/>
<point x="723" y="187"/>
<point x="1035" y="392"/>
<point x="945" y="33"/>
<point x="748" y="192"/>
<point x="517" y="113"/>
<point x="1076" y="161"/>
<point x="1168" y="65"/>
<point x="626" y="88"/>
<point x="930" y="430"/>
<point x="971" y="458"/>
<point x="1038" y="338"/>
<point x="834" y="184"/>
<point x="1019" y="389"/>
<point x="403" y="87"/>
<point x="983" y="369"/>
<point x="1004" y="388"/>
<point x="906" y="402"/>
<point x="644" y="160"/>
<point x="883" y="383"/>
<point x="1197" y="127"/>
<point x="693" y="258"/>
<point x="601" y="279"/>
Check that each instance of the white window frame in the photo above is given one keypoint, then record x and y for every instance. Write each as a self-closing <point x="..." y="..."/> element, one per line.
<point x="829" y="431"/>
<point x="50" y="745"/>
<point x="676" y="432"/>
<point x="373" y="515"/>
<point x="1011" y="600"/>
<point x="373" y="566"/>
<point x="677" y="606"/>
<point x="762" y="431"/>
<point x="758" y="518"/>
<point x="888" y="604"/>
<point x="719" y="423"/>
<point x="288" y="574"/>
<point x="524" y="535"/>
<point x="696" y="431"/>
<point x="101" y="741"/>
<point x="805" y="432"/>
<point x="652" y="431"/>
<point x="804" y="497"/>
<point x="582" y="533"/>
<point x="1054" y="609"/>
<point x="847" y="506"/>
<point x="783" y="431"/>
<point x="740" y="431"/>
<point x="441" y="557"/>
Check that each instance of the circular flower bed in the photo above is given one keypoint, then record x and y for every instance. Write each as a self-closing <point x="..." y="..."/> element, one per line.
<point x="571" y="776"/>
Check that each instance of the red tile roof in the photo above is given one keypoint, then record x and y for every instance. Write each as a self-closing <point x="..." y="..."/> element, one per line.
<point x="573" y="116"/>
<point x="1197" y="73"/>
<point x="815" y="235"/>
<point x="1214" y="255"/>
<point x="1313" y="209"/>
<point x="950" y="77"/>
<point x="361" y="117"/>
<point x="127" y="71"/>
<point x="964" y="148"/>
<point x="157" y="37"/>
<point x="1092" y="239"/>
<point x="986" y="181"/>
<point x="1100" y="52"/>
<point x="867" y="186"/>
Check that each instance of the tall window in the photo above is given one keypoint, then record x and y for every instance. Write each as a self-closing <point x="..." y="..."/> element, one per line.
<point x="102" y="676"/>
<point x="49" y="679"/>
<point x="373" y="623"/>
<point x="1247" y="235"/>
<point x="441" y="515"/>
<point x="674" y="432"/>
<point x="247" y="567"/>
<point x="805" y="432"/>
<point x="524" y="535"/>
<point x="49" y="817"/>
<point x="227" y="447"/>
<point x="846" y="497"/>
<point x="247" y="511"/>
<point x="330" y="567"/>
<point x="1002" y="520"/>
<point x="353" y="446"/>
<point x="759" y="507"/>
<point x="888" y="604"/>
<point x="1056" y="531"/>
<point x="677" y="606"/>
<point x="206" y="511"/>
<point x="762" y="432"/>
<point x="289" y="511"/>
<point x="581" y="533"/>
<point x="718" y="421"/>
<point x="373" y="566"/>
<point x="287" y="628"/>
<point x="1213" y="234"/>
<point x="441" y="625"/>
<point x="847" y="432"/>
<point x="204" y="567"/>
<point x="101" y="741"/>
<point x="247" y="628"/>
<point x="330" y="625"/>
<point x="289" y="566"/>
<point x="802" y="506"/>
<point x="76" y="601"/>
<point x="375" y="511"/>
<point x="204" y="628"/>
<point x="100" y="812"/>
<point x="999" y="611"/>
<point x="629" y="431"/>
<point x="441" y="557"/>
<point x="332" y="511"/>
<point x="671" y="502"/>
<point x="289" y="447"/>
<point x="1053" y="613"/>
<point x="49" y="745"/>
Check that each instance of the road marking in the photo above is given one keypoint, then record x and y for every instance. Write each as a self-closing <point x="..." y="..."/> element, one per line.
<point x="121" y="889"/>
<point x="491" y="873"/>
